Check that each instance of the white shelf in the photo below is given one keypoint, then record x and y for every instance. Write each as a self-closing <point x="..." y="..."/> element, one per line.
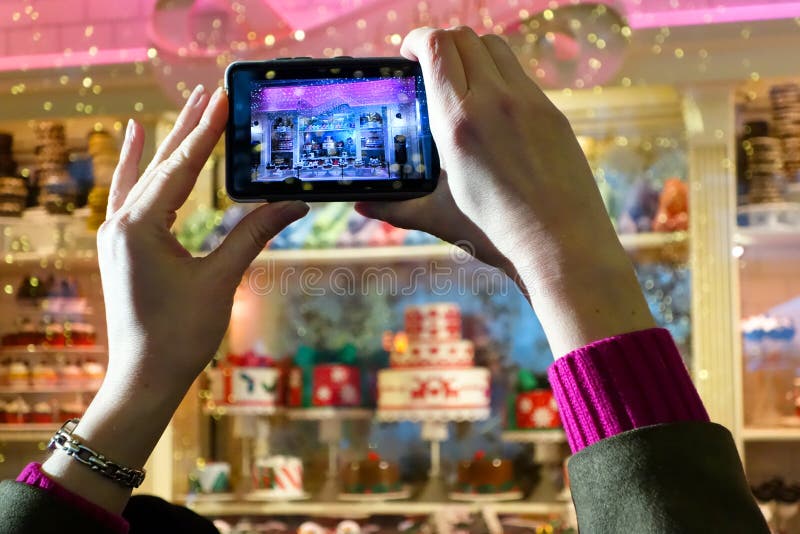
<point x="442" y="251"/>
<point x="326" y="413"/>
<point x="771" y="434"/>
<point x="555" y="435"/>
<point x="38" y="350"/>
<point x="362" y="254"/>
<point x="27" y="431"/>
<point x="652" y="240"/>
<point x="223" y="410"/>
<point x="758" y="237"/>
<point x="15" y="390"/>
<point x="357" y="509"/>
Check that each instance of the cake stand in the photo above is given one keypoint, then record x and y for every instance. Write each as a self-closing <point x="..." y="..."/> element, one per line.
<point x="251" y="424"/>
<point x="330" y="432"/>
<point x="548" y="452"/>
<point x="434" y="430"/>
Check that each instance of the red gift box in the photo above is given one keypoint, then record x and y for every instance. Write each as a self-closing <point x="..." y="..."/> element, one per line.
<point x="332" y="385"/>
<point x="537" y="409"/>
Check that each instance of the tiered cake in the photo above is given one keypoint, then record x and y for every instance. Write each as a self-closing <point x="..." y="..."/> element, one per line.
<point x="433" y="377"/>
<point x="245" y="381"/>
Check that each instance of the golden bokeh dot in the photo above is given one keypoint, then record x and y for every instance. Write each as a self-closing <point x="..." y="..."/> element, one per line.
<point x="601" y="44"/>
<point x="391" y="15"/>
<point x="656" y="49"/>
<point x="361" y="24"/>
<point x="626" y="31"/>
<point x="152" y="53"/>
<point x="396" y="39"/>
<point x="98" y="127"/>
<point x="679" y="53"/>
<point x="548" y="14"/>
<point x="523" y="14"/>
<point x="47" y="106"/>
<point x="138" y="106"/>
<point x="703" y="53"/>
<point x="64" y="79"/>
<point x="251" y="36"/>
<point x="9" y="289"/>
<point x="79" y="107"/>
<point x="626" y="82"/>
<point x="87" y="82"/>
<point x="755" y="76"/>
<point x="117" y="126"/>
<point x="92" y="51"/>
<point x="269" y="39"/>
<point x="88" y="31"/>
<point x="299" y="35"/>
<point x="97" y="89"/>
<point x="88" y="108"/>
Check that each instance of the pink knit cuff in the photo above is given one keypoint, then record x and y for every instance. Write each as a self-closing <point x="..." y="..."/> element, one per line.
<point x="621" y="383"/>
<point x="34" y="476"/>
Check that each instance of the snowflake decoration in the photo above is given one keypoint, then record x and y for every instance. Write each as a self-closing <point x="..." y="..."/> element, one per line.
<point x="339" y="375"/>
<point x="525" y="405"/>
<point x="541" y="417"/>
<point x="324" y="393"/>
<point x="349" y="394"/>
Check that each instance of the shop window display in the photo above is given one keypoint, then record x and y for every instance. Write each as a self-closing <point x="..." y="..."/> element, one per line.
<point x="335" y="129"/>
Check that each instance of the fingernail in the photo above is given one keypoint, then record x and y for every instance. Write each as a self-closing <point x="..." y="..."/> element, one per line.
<point x="129" y="131"/>
<point x="216" y="95"/>
<point x="194" y="98"/>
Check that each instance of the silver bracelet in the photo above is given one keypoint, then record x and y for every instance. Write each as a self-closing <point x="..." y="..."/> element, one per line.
<point x="64" y="440"/>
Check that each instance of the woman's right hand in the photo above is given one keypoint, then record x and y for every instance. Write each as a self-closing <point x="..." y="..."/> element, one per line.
<point x="517" y="173"/>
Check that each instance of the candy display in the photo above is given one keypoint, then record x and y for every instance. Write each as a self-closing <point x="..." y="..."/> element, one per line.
<point x="673" y="207"/>
<point x="330" y="226"/>
<point x="533" y="407"/>
<point x="57" y="192"/>
<point x="639" y="209"/>
<point x="246" y="380"/>
<point x="13" y="190"/>
<point x="770" y="362"/>
<point x="50" y="334"/>
<point x="43" y="374"/>
<point x="104" y="154"/>
<point x="43" y="412"/>
<point x="278" y="477"/>
<point x="765" y="173"/>
<point x="373" y="475"/>
<point x="434" y="372"/>
<point x="72" y="409"/>
<point x="18" y="411"/>
<point x="321" y="378"/>
<point x="785" y="101"/>
<point x="484" y="474"/>
<point x="210" y="477"/>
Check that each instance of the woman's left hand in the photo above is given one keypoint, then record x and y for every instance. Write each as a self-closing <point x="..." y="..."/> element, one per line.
<point x="166" y="310"/>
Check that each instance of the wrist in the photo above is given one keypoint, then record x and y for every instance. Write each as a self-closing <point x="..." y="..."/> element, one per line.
<point x="585" y="295"/>
<point x="123" y="424"/>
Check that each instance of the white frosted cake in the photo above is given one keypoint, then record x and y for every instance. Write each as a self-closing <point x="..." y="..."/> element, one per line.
<point x="278" y="477"/>
<point x="432" y="376"/>
<point x="244" y="386"/>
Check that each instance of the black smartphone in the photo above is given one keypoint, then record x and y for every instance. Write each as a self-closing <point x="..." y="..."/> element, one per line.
<point x="336" y="129"/>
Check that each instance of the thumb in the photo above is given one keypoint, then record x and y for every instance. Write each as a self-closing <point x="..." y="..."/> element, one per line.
<point x="411" y="214"/>
<point x="248" y="238"/>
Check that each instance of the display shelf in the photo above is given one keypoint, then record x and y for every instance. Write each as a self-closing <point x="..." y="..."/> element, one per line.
<point x="83" y="259"/>
<point x="758" y="237"/>
<point x="441" y="251"/>
<point x="34" y="350"/>
<point x="771" y="434"/>
<point x="27" y="431"/>
<point x="14" y="390"/>
<point x="327" y="413"/>
<point x="555" y="435"/>
<point x="365" y="509"/>
<point x="242" y="410"/>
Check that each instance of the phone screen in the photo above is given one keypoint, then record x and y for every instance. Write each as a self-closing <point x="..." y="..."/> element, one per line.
<point x="354" y="128"/>
<point x="336" y="129"/>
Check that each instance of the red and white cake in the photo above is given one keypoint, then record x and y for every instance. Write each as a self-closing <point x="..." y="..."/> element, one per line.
<point x="432" y="374"/>
<point x="278" y="477"/>
<point x="244" y="381"/>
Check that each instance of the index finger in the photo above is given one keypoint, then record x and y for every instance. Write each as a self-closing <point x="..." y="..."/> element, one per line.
<point x="175" y="177"/>
<point x="441" y="63"/>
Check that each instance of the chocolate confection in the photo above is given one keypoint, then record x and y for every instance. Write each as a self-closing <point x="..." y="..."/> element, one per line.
<point x="13" y="193"/>
<point x="372" y="475"/>
<point x="485" y="474"/>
